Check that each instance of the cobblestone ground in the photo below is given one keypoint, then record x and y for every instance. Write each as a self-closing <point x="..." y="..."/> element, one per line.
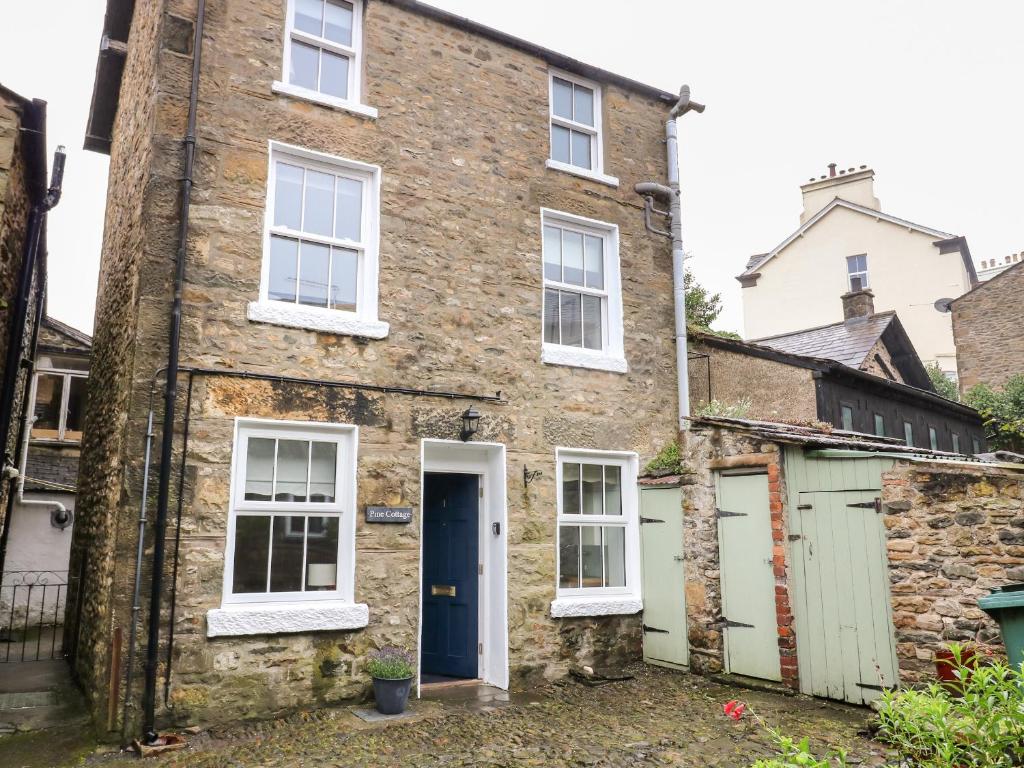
<point x="658" y="718"/>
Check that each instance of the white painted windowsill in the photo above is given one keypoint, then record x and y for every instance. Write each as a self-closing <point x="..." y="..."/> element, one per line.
<point x="601" y="178"/>
<point x="577" y="357"/>
<point x="285" y="618"/>
<point x="323" y="99"/>
<point x="315" y="319"/>
<point x="610" y="605"/>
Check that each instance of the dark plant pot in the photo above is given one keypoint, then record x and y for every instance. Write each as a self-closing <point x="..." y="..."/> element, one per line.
<point x="391" y="695"/>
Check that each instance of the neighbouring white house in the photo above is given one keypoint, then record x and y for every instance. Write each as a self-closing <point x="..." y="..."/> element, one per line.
<point x="845" y="242"/>
<point x="989" y="268"/>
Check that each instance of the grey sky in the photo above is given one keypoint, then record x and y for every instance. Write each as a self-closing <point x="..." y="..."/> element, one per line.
<point x="927" y="93"/>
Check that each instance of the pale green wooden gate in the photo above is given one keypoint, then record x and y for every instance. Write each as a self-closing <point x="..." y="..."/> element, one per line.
<point x="661" y="540"/>
<point x="840" y="584"/>
<point x="748" y="617"/>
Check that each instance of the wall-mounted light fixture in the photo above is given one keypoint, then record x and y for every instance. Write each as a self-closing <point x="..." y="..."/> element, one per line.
<point x="470" y="423"/>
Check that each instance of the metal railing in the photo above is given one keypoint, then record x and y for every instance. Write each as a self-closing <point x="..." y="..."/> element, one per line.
<point x="32" y="615"/>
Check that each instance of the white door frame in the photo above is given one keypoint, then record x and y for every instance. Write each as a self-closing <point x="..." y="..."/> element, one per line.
<point x="486" y="460"/>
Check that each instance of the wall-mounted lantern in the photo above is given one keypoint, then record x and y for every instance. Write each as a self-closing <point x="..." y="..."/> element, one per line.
<point x="470" y="423"/>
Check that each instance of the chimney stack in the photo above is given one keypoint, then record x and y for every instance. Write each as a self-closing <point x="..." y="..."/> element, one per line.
<point x="856" y="185"/>
<point x="858" y="305"/>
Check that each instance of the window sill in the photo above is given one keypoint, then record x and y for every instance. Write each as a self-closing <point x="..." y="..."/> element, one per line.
<point x="610" y="605"/>
<point x="574" y="357"/>
<point x="583" y="173"/>
<point x="324" y="100"/>
<point x="285" y="618"/>
<point x="315" y="319"/>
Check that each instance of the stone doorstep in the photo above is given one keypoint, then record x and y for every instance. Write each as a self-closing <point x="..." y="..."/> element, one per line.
<point x="32" y="700"/>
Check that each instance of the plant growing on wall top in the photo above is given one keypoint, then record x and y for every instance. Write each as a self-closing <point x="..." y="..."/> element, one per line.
<point x="667" y="462"/>
<point x="720" y="408"/>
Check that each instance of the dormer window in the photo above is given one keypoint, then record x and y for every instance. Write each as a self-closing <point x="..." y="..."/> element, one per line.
<point x="857" y="271"/>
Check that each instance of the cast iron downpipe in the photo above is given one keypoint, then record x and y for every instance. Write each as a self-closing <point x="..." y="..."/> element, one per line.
<point x="15" y="357"/>
<point x="670" y="194"/>
<point x="149" y="733"/>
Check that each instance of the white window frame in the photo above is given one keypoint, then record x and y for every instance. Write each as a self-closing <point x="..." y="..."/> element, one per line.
<point x="346" y="437"/>
<point x="864" y="274"/>
<point x="612" y="356"/>
<point x="354" y="52"/>
<point x="596" y="131"/>
<point x="597" y="601"/>
<point x="65" y="398"/>
<point x="364" y="321"/>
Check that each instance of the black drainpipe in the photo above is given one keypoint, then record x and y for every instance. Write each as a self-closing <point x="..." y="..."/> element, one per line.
<point x="170" y="396"/>
<point x="16" y="339"/>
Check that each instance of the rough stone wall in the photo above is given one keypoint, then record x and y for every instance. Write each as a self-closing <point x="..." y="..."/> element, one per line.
<point x="462" y="138"/>
<point x="987" y="331"/>
<point x="776" y="391"/>
<point x="139" y="202"/>
<point x="879" y="363"/>
<point x="707" y="450"/>
<point x="15" y="205"/>
<point x="954" y="532"/>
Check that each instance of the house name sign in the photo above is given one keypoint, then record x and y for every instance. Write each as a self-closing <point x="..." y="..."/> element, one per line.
<point x="388" y="514"/>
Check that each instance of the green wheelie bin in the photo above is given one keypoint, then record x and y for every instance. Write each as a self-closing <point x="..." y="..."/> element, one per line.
<point x="1006" y="605"/>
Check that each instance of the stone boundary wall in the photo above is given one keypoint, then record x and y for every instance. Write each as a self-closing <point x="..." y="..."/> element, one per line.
<point x="955" y="531"/>
<point x="987" y="331"/>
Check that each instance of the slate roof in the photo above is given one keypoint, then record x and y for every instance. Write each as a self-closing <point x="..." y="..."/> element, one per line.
<point x="848" y="343"/>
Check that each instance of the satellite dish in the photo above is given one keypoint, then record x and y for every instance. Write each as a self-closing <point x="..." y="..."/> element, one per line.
<point x="944" y="305"/>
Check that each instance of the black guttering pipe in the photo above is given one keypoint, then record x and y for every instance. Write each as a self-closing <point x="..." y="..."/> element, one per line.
<point x="15" y="357"/>
<point x="171" y="392"/>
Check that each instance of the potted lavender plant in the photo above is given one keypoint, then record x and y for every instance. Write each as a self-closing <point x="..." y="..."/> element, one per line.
<point x="392" y="673"/>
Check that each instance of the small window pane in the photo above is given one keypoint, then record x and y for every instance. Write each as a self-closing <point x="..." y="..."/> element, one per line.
<point x="259" y="469"/>
<point x="284" y="255"/>
<point x="568" y="556"/>
<point x="338" y="22"/>
<point x="933" y="439"/>
<point x="857" y="283"/>
<point x="847" y="413"/>
<point x="908" y="433"/>
<point x="593" y="489"/>
<point x="319" y="204"/>
<point x="571" y="319"/>
<point x="583" y="102"/>
<point x="614" y="556"/>
<point x="612" y="490"/>
<point x="594" y="259"/>
<point x="76" y="408"/>
<point x="288" y="196"/>
<point x="552" y="253"/>
<point x="322" y="554"/>
<point x="292" y="470"/>
<point x="49" y="393"/>
<point x="344" y="269"/>
<point x="286" y="556"/>
<point x="581" y="150"/>
<point x="313" y="274"/>
<point x="593" y="560"/>
<point x="252" y="546"/>
<point x="309" y="16"/>
<point x="551" y="335"/>
<point x="956" y="443"/>
<point x="560" y="144"/>
<point x="977" y="445"/>
<point x="593" y="337"/>
<point x="561" y="98"/>
<point x="349" y="210"/>
<point x="879" y="425"/>
<point x="334" y="74"/>
<point x="570" y="489"/>
<point x="305" y="63"/>
<point x="572" y="258"/>
<point x="323" y="471"/>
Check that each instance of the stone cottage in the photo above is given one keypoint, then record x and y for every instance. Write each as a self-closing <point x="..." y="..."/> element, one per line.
<point x="426" y="344"/>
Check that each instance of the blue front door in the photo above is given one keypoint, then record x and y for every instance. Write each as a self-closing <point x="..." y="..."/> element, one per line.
<point x="450" y="556"/>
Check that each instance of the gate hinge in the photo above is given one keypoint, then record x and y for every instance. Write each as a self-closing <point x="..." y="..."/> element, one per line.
<point x="653" y="629"/>
<point x="875" y="505"/>
<point x="650" y="520"/>
<point x="720" y="513"/>
<point x="871" y="686"/>
<point x="724" y="623"/>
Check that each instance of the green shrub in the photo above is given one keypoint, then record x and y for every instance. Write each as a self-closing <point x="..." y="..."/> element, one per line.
<point x="390" y="664"/>
<point x="667" y="462"/>
<point x="981" y="728"/>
